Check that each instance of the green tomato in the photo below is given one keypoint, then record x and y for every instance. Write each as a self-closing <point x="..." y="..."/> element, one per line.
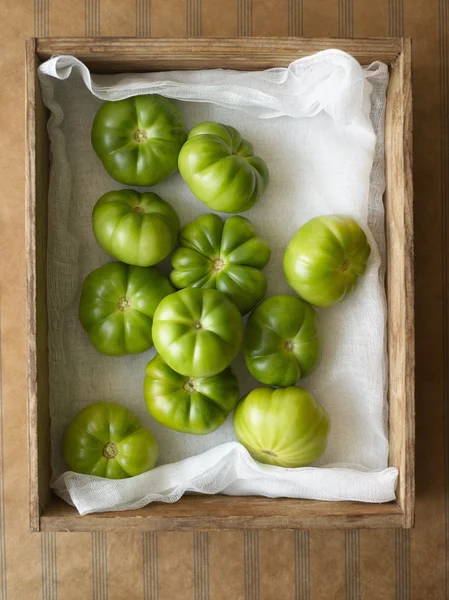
<point x="224" y="256"/>
<point x="281" y="343"/>
<point x="324" y="259"/>
<point x="220" y="168"/>
<point x="190" y="405"/>
<point x="138" y="229"/>
<point x="117" y="305"/>
<point x="138" y="139"/>
<point x="107" y="440"/>
<point x="283" y="426"/>
<point x="197" y="332"/>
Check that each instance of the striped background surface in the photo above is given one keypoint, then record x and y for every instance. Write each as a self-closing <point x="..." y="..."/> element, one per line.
<point x="302" y="565"/>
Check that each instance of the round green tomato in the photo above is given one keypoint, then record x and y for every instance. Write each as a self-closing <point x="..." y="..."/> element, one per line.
<point x="117" y="305"/>
<point x="224" y="256"/>
<point x="138" y="139"/>
<point x="324" y="259"/>
<point x="190" y="405"/>
<point x="283" y="426"/>
<point x="138" y="229"/>
<point x="107" y="440"/>
<point x="281" y="342"/>
<point x="220" y="168"/>
<point x="197" y="332"/>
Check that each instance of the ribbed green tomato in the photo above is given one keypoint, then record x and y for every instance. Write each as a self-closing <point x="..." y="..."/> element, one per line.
<point x="117" y="305"/>
<point x="197" y="332"/>
<point x="190" y="405"/>
<point x="138" y="229"/>
<point x="283" y="426"/>
<point x="324" y="259"/>
<point x="281" y="342"/>
<point x="106" y="439"/>
<point x="138" y="139"/>
<point x="220" y="168"/>
<point x="226" y="256"/>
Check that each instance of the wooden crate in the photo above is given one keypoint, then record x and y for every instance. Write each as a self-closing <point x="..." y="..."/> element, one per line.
<point x="111" y="55"/>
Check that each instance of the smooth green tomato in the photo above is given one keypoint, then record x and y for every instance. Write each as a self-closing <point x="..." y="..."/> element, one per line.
<point x="221" y="169"/>
<point x="191" y="405"/>
<point x="284" y="426"/>
<point x="281" y="341"/>
<point x="138" y="229"/>
<point x="117" y="305"/>
<point x="197" y="332"/>
<point x="324" y="259"/>
<point x="138" y="139"/>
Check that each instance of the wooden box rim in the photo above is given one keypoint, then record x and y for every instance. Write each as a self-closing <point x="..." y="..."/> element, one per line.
<point x="48" y="513"/>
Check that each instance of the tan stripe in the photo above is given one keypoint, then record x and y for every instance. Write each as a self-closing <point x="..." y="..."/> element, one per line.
<point x="219" y="18"/>
<point x="175" y="558"/>
<point x="327" y="555"/>
<point x="118" y="18"/>
<point x="124" y="561"/>
<point x="277" y="564"/>
<point x="74" y="565"/>
<point x="427" y="539"/>
<point x="320" y="18"/>
<point x="3" y="582"/>
<point x="226" y="565"/>
<point x="168" y="19"/>
<point x="21" y="550"/>
<point x="377" y="564"/>
<point x="61" y="25"/>
<point x="371" y="19"/>
<point x="270" y="18"/>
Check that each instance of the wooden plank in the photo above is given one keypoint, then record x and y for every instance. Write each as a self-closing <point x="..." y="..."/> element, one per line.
<point x="193" y="513"/>
<point x="400" y="285"/>
<point x="125" y="54"/>
<point x="37" y="169"/>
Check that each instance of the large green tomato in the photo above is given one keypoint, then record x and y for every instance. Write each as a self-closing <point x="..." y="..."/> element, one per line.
<point x="224" y="256"/>
<point x="197" y="332"/>
<point x="107" y="440"/>
<point x="117" y="305"/>
<point x="220" y="168"/>
<point x="138" y="229"/>
<point x="324" y="259"/>
<point x="283" y="426"/>
<point x="281" y="342"/>
<point x="138" y="139"/>
<point x="190" y="405"/>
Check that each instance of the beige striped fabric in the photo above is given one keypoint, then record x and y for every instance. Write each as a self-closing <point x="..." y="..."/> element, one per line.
<point x="301" y="565"/>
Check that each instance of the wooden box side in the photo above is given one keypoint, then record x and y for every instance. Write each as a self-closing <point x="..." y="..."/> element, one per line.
<point x="36" y="198"/>
<point x="221" y="512"/>
<point x="400" y="282"/>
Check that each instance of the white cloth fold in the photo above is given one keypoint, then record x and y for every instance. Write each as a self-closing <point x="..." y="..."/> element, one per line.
<point x="321" y="135"/>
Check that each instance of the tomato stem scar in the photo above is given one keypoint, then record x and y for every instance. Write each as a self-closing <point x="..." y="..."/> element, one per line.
<point x="140" y="135"/>
<point x="189" y="386"/>
<point x="110" y="450"/>
<point x="124" y="303"/>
